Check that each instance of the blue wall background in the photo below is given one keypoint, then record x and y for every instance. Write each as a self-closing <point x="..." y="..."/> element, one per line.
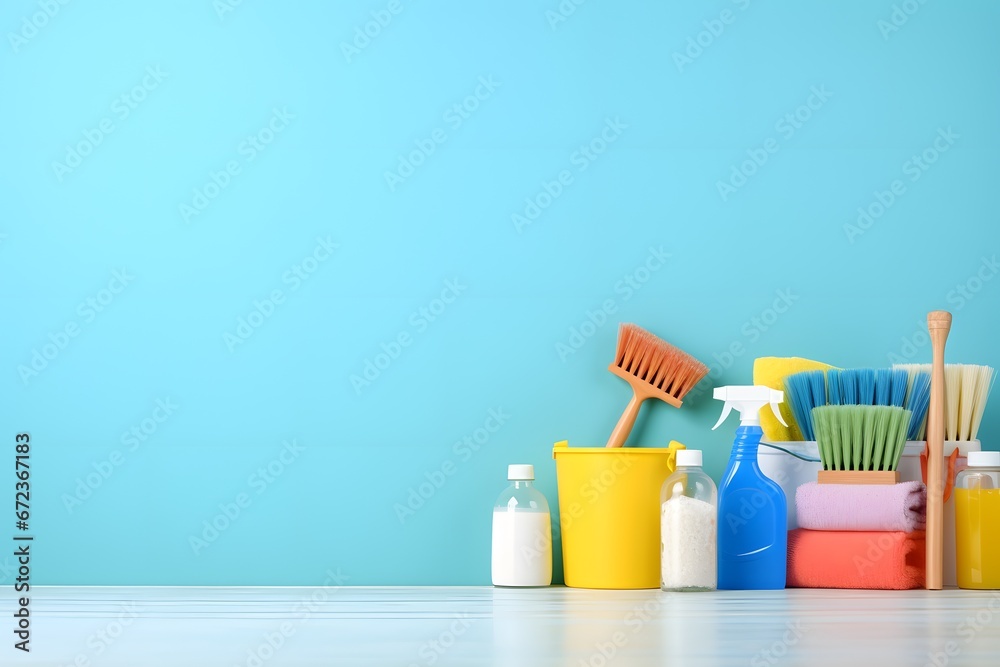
<point x="158" y="100"/>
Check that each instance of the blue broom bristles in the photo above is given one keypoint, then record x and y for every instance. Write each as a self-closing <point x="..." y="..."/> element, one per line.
<point x="900" y="380"/>
<point x="854" y="386"/>
<point x="833" y="389"/>
<point x="883" y="386"/>
<point x="806" y="391"/>
<point x="870" y="386"/>
<point x="917" y="403"/>
<point x="818" y="387"/>
<point x="866" y="386"/>
<point x="858" y="386"/>
<point x="849" y="387"/>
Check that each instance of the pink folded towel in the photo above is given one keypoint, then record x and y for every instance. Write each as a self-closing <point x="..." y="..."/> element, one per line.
<point x="869" y="507"/>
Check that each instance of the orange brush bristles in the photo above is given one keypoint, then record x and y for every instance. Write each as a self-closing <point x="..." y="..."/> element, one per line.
<point x="657" y="362"/>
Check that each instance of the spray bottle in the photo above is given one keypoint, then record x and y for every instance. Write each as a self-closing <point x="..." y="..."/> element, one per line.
<point x="752" y="509"/>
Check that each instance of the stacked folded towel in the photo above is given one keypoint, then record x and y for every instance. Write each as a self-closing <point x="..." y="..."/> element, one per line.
<point x="858" y="536"/>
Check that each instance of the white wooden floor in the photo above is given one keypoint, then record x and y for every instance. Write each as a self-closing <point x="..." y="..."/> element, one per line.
<point x="258" y="627"/>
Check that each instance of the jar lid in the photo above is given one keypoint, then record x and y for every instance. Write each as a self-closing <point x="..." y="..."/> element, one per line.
<point x="520" y="471"/>
<point x="984" y="459"/>
<point x="689" y="457"/>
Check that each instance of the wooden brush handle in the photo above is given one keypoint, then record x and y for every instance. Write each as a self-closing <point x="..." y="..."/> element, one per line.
<point x="624" y="426"/>
<point x="938" y="325"/>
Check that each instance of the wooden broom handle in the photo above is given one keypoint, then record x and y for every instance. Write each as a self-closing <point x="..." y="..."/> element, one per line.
<point x="938" y="325"/>
<point x="625" y="423"/>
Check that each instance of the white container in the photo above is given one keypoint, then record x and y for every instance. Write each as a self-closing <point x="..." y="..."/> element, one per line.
<point x="790" y="473"/>
<point x="522" y="532"/>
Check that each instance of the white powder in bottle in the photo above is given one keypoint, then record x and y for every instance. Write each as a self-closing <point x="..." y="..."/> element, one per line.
<point x="687" y="549"/>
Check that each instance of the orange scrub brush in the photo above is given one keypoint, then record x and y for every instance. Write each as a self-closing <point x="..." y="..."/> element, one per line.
<point x="655" y="369"/>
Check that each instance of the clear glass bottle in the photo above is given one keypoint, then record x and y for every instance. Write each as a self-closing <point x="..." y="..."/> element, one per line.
<point x="522" y="532"/>
<point x="977" y="522"/>
<point x="688" y="527"/>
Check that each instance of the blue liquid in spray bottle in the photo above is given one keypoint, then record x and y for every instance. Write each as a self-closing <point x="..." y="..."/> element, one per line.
<point x="753" y="530"/>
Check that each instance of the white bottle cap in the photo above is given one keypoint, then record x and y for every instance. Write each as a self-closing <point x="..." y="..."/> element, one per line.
<point x="520" y="471"/>
<point x="689" y="457"/>
<point x="984" y="459"/>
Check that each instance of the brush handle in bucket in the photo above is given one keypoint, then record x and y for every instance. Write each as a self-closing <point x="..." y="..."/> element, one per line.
<point x="625" y="423"/>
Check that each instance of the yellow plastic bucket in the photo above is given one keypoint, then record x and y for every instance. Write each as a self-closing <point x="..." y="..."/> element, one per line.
<point x="609" y="513"/>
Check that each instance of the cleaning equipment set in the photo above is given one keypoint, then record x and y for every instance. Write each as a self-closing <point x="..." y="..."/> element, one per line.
<point x="609" y="497"/>
<point x="966" y="389"/>
<point x="859" y="426"/>
<point x="857" y="507"/>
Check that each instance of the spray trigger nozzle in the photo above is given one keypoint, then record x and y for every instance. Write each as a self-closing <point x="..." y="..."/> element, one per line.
<point x="725" y="413"/>
<point x="748" y="400"/>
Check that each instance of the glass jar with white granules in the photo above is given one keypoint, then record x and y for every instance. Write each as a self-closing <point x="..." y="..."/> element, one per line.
<point x="688" y="516"/>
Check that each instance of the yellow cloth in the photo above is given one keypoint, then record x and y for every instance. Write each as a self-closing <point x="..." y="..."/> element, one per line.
<point x="771" y="372"/>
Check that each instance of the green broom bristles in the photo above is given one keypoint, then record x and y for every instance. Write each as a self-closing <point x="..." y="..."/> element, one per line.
<point x="862" y="425"/>
<point x="899" y="437"/>
<point x="860" y="437"/>
<point x="880" y="433"/>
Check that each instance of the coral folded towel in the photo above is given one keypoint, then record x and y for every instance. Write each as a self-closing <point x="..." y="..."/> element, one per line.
<point x="891" y="507"/>
<point x="855" y="559"/>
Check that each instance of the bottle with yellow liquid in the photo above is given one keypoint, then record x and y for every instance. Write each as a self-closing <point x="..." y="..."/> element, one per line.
<point x="977" y="522"/>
